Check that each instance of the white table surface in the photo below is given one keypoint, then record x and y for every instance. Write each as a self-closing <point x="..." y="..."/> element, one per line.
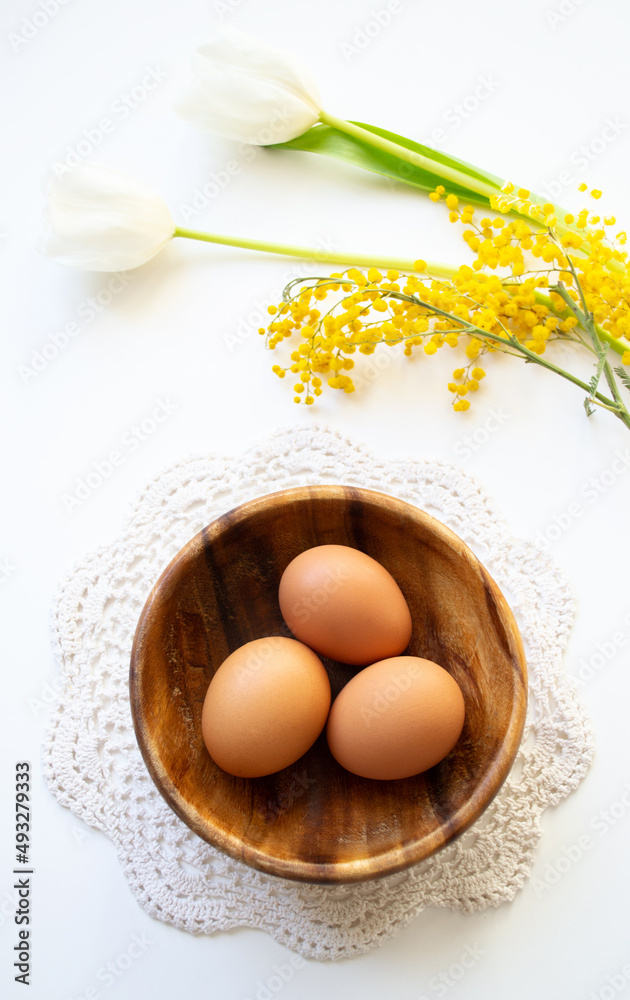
<point x="557" y="71"/>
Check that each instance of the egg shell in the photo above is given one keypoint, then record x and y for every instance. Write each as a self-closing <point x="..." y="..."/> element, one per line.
<point x="396" y="718"/>
<point x="265" y="706"/>
<point x="345" y="605"/>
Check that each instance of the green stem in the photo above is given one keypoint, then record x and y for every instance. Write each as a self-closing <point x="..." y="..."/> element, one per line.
<point x="623" y="413"/>
<point x="585" y="317"/>
<point x="615" y="405"/>
<point x="320" y="255"/>
<point x="410" y="156"/>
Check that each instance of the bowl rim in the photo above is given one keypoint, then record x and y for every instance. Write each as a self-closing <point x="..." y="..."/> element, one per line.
<point x="396" y="858"/>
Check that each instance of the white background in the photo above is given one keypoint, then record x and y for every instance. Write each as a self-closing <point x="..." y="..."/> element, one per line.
<point x="180" y="330"/>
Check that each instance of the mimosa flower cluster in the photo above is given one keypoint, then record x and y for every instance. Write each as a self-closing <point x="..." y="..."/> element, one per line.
<point x="507" y="300"/>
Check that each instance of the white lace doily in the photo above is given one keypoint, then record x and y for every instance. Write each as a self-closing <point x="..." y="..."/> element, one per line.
<point x="93" y="764"/>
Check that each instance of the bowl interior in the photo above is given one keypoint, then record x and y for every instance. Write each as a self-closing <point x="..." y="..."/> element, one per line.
<point x="314" y="820"/>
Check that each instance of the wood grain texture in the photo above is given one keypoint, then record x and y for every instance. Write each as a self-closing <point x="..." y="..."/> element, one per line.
<point x="315" y="821"/>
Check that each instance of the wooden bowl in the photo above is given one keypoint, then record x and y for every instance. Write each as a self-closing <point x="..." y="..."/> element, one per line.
<point x="315" y="821"/>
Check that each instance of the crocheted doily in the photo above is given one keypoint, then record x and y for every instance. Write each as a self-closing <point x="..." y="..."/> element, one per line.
<point x="93" y="764"/>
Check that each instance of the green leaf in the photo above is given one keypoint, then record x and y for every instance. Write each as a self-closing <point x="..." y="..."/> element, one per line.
<point x="622" y="375"/>
<point x="435" y="154"/>
<point x="330" y="142"/>
<point x="602" y="354"/>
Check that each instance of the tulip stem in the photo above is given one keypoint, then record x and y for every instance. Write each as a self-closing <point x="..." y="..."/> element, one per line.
<point x="434" y="269"/>
<point x="410" y="156"/>
<point x="318" y="254"/>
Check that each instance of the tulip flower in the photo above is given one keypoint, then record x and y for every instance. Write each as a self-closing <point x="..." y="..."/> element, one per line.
<point x="101" y="220"/>
<point x="249" y="91"/>
<point x="253" y="92"/>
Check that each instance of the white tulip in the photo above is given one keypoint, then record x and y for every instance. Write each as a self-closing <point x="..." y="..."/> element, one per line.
<point x="249" y="91"/>
<point x="101" y="220"/>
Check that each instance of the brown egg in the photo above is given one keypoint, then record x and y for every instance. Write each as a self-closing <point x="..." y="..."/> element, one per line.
<point x="265" y="706"/>
<point x="345" y="605"/>
<point x="396" y="718"/>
